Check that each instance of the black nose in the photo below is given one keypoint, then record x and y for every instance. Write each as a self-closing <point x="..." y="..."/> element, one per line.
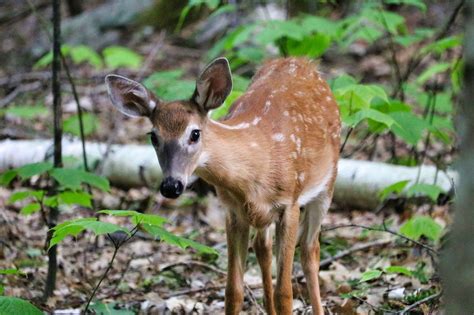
<point x="171" y="188"/>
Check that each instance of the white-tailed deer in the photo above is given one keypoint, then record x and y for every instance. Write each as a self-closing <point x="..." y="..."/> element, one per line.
<point x="273" y="159"/>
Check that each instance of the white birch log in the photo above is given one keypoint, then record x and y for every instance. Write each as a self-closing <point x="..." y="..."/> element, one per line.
<point x="358" y="183"/>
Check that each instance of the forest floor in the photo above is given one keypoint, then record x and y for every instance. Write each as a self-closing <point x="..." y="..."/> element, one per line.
<point x="156" y="278"/>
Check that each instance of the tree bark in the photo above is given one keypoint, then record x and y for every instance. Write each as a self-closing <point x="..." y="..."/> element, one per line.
<point x="358" y="183"/>
<point x="57" y="113"/>
<point x="457" y="262"/>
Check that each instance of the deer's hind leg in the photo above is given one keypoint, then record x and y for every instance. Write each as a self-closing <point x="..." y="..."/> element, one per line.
<point x="310" y="249"/>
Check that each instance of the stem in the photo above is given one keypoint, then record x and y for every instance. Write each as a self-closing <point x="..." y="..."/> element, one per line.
<point x="57" y="111"/>
<point x="102" y="278"/>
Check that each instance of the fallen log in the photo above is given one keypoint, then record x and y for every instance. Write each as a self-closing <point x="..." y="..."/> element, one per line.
<point x="358" y="183"/>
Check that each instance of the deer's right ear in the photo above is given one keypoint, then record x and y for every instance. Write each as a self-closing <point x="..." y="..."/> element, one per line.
<point x="130" y="97"/>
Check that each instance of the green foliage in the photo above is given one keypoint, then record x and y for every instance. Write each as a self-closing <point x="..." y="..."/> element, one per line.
<point x="74" y="178"/>
<point x="90" y="123"/>
<point x="370" y="275"/>
<point x="25" y="111"/>
<point x="11" y="272"/>
<point x="419" y="226"/>
<point x="168" y="85"/>
<point x="398" y="270"/>
<point x="395" y="188"/>
<point x="429" y="190"/>
<point x="113" y="57"/>
<point x="121" y="57"/>
<point x="12" y="305"/>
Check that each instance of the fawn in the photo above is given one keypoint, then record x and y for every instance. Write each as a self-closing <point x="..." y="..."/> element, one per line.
<point x="272" y="159"/>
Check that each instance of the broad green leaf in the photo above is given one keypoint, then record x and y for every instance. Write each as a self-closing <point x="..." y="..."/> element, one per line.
<point x="172" y="239"/>
<point x="251" y="54"/>
<point x="395" y="188"/>
<point x="77" y="198"/>
<point x="48" y="57"/>
<point x="20" y="195"/>
<point x="431" y="71"/>
<point x="390" y="20"/>
<point x="408" y="127"/>
<point x="275" y="29"/>
<point x="370" y="275"/>
<point x="82" y="53"/>
<point x="73" y="178"/>
<point x="410" y="39"/>
<point x="30" y="170"/>
<point x="312" y="46"/>
<point x="317" y="24"/>
<point x="421" y="225"/>
<point x="30" y="208"/>
<point x="398" y="269"/>
<point x="11" y="305"/>
<point x="25" y="111"/>
<point x="240" y="83"/>
<point x="442" y="45"/>
<point x="432" y="191"/>
<point x="369" y="113"/>
<point x="12" y="271"/>
<point x="90" y="123"/>
<point x="7" y="177"/>
<point x="120" y="213"/>
<point x="137" y="217"/>
<point x="118" y="57"/>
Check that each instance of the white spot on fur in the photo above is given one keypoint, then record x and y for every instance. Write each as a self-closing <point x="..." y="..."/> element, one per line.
<point x="254" y="144"/>
<point x="293" y="138"/>
<point x="256" y="121"/>
<point x="267" y="107"/>
<point x="301" y="177"/>
<point x="239" y="126"/>
<point x="298" y="145"/>
<point x="279" y="137"/>
<point x="286" y="113"/>
<point x="315" y="190"/>
<point x="328" y="98"/>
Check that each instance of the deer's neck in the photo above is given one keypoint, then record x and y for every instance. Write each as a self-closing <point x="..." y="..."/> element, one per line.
<point x="230" y="155"/>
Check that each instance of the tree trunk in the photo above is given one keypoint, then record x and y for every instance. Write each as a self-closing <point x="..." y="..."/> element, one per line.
<point x="457" y="263"/>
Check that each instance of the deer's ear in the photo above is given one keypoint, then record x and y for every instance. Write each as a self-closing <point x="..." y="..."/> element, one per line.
<point x="213" y="85"/>
<point x="130" y="97"/>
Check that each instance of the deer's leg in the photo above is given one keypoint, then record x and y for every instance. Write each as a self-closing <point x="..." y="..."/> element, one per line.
<point x="310" y="250"/>
<point x="263" y="250"/>
<point x="237" y="245"/>
<point x="287" y="229"/>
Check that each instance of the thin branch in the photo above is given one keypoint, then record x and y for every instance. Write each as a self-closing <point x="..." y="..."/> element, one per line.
<point x="384" y="229"/>
<point x="20" y="89"/>
<point x="427" y="299"/>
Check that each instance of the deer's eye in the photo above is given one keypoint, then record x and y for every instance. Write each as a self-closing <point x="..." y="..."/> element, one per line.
<point x="153" y="139"/>
<point x="194" y="137"/>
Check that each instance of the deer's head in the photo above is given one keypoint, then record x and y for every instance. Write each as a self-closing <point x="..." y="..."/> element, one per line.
<point x="178" y="126"/>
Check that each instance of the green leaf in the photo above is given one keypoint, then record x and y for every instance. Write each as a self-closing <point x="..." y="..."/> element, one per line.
<point x="370" y="275"/>
<point x="137" y="217"/>
<point x="20" y="195"/>
<point x="117" y="57"/>
<point x="395" y="188"/>
<point x="78" y="198"/>
<point x="90" y="123"/>
<point x="372" y="114"/>
<point x="431" y="71"/>
<point x="11" y="305"/>
<point x="82" y="53"/>
<point x="275" y="29"/>
<point x="30" y="170"/>
<point x="47" y="59"/>
<point x="25" y="111"/>
<point x="76" y="226"/>
<point x="408" y="127"/>
<point x="398" y="269"/>
<point x="30" y="208"/>
<point x="317" y="24"/>
<point x="440" y="46"/>
<point x="172" y="239"/>
<point x="432" y="191"/>
<point x="421" y="225"/>
<point x="416" y="3"/>
<point x="7" y="177"/>
<point x="73" y="178"/>
<point x="312" y="46"/>
<point x="12" y="271"/>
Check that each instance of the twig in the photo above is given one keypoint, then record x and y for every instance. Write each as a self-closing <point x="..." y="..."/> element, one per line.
<point x="21" y="89"/>
<point x="420" y="302"/>
<point x="384" y="229"/>
<point x="151" y="55"/>
<point x="356" y="248"/>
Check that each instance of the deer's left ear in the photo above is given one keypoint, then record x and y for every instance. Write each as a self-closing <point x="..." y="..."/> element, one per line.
<point x="130" y="97"/>
<point x="213" y="85"/>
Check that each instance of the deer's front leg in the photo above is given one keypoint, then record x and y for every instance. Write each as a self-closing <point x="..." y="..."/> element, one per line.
<point x="237" y="245"/>
<point x="286" y="235"/>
